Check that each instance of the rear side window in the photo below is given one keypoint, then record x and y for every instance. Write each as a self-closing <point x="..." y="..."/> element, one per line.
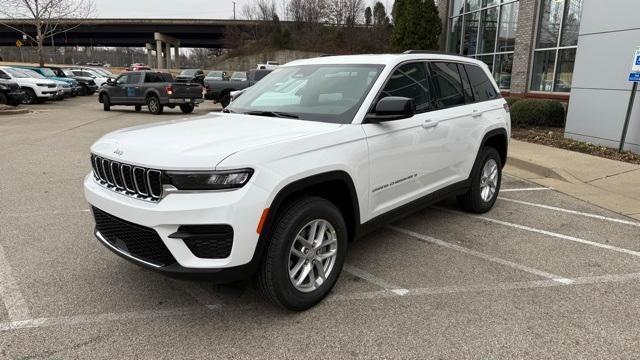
<point x="466" y="85"/>
<point x="152" y="78"/>
<point x="166" y="77"/>
<point x="410" y="80"/>
<point x="483" y="89"/>
<point x="448" y="84"/>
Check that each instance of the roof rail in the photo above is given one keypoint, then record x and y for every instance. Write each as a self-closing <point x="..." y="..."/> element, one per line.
<point x="431" y="52"/>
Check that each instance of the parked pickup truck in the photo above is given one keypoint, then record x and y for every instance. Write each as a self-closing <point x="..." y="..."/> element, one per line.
<point x="220" y="90"/>
<point x="151" y="88"/>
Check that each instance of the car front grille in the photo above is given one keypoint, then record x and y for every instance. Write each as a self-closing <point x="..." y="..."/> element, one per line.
<point x="135" y="240"/>
<point x="135" y="181"/>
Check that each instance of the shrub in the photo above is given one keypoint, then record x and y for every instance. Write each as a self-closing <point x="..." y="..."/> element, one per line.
<point x="534" y="112"/>
<point x="512" y="100"/>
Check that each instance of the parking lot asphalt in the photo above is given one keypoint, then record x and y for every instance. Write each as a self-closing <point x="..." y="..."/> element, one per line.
<point x="542" y="275"/>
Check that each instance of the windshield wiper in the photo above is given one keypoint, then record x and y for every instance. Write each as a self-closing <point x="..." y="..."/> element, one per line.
<point x="272" y="114"/>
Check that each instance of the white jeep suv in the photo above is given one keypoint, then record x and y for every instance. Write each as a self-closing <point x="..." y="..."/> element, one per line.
<point x="310" y="158"/>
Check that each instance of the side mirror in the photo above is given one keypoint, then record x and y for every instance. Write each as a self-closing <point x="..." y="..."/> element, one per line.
<point x="110" y="81"/>
<point x="392" y="108"/>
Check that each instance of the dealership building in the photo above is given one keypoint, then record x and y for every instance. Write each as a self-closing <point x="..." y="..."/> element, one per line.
<point x="577" y="51"/>
<point x="529" y="45"/>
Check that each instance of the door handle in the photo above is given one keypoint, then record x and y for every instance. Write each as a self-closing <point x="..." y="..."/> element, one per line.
<point x="476" y="113"/>
<point x="427" y="124"/>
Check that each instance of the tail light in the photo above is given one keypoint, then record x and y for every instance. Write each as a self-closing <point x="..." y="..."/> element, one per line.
<point x="169" y="89"/>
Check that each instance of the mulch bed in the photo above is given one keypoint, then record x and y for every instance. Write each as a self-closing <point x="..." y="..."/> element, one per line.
<point x="555" y="137"/>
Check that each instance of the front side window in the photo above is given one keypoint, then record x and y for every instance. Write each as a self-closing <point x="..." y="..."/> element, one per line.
<point x="556" y="44"/>
<point x="122" y="80"/>
<point x="448" y="84"/>
<point x="410" y="80"/>
<point x="327" y="93"/>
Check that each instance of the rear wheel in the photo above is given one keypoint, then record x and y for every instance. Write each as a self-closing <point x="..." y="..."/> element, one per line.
<point x="83" y="90"/>
<point x="187" y="108"/>
<point x="138" y="108"/>
<point x="3" y="99"/>
<point x="305" y="254"/>
<point x="106" y="102"/>
<point x="486" y="177"/>
<point x="153" y="103"/>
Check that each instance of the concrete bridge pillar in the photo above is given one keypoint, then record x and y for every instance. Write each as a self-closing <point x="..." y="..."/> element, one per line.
<point x="168" y="55"/>
<point x="160" y="60"/>
<point x="168" y="41"/>
<point x="177" y="56"/>
<point x="149" y="48"/>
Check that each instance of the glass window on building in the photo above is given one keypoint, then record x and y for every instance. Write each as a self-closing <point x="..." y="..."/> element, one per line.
<point x="556" y="43"/>
<point x="485" y="30"/>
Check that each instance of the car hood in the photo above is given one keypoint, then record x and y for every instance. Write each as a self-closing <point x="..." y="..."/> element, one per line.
<point x="203" y="142"/>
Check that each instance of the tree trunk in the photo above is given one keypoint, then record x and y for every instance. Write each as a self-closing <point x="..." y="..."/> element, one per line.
<point x="40" y="40"/>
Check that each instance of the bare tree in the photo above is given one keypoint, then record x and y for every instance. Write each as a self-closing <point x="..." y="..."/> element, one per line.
<point x="48" y="17"/>
<point x="263" y="10"/>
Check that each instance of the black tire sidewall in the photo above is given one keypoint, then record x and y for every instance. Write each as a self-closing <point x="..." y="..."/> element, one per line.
<point x="29" y="95"/>
<point x="487" y="154"/>
<point x="158" y="106"/>
<point x="4" y="100"/>
<point x="283" y="236"/>
<point x="225" y="99"/>
<point x="106" y="102"/>
<point x="187" y="108"/>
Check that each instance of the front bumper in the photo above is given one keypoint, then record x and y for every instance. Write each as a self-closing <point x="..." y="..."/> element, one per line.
<point x="241" y="209"/>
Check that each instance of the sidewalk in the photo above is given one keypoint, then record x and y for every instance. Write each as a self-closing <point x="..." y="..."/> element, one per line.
<point x="610" y="184"/>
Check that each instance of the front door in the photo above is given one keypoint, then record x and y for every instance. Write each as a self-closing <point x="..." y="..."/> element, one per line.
<point x="408" y="158"/>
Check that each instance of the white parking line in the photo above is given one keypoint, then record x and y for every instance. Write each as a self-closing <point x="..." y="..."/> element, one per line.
<point x="398" y="290"/>
<point x="490" y="258"/>
<point x="545" y="232"/>
<point x="526" y="189"/>
<point x="12" y="298"/>
<point x="574" y="212"/>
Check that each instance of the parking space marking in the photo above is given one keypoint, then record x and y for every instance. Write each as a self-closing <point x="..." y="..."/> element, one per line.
<point x="10" y="294"/>
<point x="574" y="212"/>
<point x="398" y="290"/>
<point x="545" y="232"/>
<point x="464" y="250"/>
<point x="526" y="189"/>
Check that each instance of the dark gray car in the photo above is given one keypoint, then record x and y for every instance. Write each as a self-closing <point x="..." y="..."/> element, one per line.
<point x="151" y="88"/>
<point x="220" y="90"/>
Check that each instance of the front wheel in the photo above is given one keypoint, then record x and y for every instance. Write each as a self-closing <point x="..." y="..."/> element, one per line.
<point x="4" y="100"/>
<point x="187" y="108"/>
<point x="486" y="177"/>
<point x="153" y="103"/>
<point x="305" y="254"/>
<point x="138" y="108"/>
<point x="225" y="99"/>
<point x="29" y="96"/>
<point x="106" y="102"/>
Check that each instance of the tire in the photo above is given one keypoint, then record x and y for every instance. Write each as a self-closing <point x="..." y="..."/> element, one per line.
<point x="153" y="103"/>
<point x="29" y="96"/>
<point x="3" y="99"/>
<point x="225" y="99"/>
<point x="106" y="102"/>
<point x="187" y="108"/>
<point x="479" y="198"/>
<point x="138" y="108"/>
<point x="297" y="218"/>
<point x="83" y="90"/>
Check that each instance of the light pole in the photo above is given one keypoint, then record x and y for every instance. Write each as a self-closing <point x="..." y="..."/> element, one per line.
<point x="234" y="10"/>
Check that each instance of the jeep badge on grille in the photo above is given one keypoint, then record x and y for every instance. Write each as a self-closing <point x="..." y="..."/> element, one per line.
<point x="118" y="152"/>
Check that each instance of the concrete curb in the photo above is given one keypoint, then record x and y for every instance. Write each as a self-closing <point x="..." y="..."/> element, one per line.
<point x="540" y="170"/>
<point x="14" y="111"/>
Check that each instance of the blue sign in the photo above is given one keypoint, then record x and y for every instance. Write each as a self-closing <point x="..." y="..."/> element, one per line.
<point x="635" y="77"/>
<point x="637" y="60"/>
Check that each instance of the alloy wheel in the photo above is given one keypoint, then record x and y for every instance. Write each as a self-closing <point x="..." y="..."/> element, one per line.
<point x="489" y="180"/>
<point x="313" y="255"/>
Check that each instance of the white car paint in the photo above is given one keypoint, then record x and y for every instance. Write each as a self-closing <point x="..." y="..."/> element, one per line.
<point x="43" y="88"/>
<point x="281" y="151"/>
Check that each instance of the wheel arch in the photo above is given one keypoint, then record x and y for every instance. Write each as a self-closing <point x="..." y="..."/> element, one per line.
<point x="499" y="140"/>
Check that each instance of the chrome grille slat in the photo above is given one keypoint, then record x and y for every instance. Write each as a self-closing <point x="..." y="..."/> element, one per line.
<point x="135" y="181"/>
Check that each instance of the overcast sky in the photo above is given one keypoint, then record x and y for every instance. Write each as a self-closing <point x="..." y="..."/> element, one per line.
<point x="184" y="9"/>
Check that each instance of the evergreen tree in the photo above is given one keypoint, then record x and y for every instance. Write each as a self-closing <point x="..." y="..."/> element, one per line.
<point x="367" y="16"/>
<point x="416" y="25"/>
<point x="380" y="14"/>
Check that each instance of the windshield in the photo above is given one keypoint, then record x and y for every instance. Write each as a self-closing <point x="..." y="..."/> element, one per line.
<point x="188" y="72"/>
<point x="47" y="72"/>
<point x="329" y="93"/>
<point x="15" y="73"/>
<point x="239" y="75"/>
<point x="215" y="74"/>
<point x="31" y="73"/>
<point x="102" y="72"/>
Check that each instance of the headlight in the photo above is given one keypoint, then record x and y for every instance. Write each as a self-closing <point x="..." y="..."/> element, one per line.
<point x="209" y="180"/>
<point x="43" y="85"/>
